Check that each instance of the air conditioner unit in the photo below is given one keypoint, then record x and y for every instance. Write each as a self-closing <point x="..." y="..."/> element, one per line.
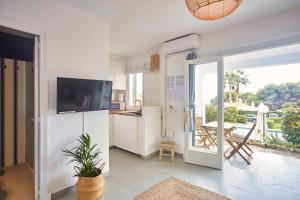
<point x="181" y="44"/>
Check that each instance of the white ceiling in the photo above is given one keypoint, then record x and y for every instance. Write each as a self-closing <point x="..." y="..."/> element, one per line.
<point x="138" y="25"/>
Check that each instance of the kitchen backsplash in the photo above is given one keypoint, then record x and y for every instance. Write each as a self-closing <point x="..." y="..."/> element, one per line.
<point x="118" y="95"/>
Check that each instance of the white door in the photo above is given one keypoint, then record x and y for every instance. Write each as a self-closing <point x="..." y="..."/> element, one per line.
<point x="204" y="112"/>
<point x="36" y="114"/>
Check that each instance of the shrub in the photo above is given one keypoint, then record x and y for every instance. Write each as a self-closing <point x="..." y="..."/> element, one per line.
<point x="245" y="112"/>
<point x="230" y="114"/>
<point x="270" y="123"/>
<point x="277" y="126"/>
<point x="274" y="140"/>
<point x="210" y="113"/>
<point x="277" y="120"/>
<point x="291" y="125"/>
<point x="241" y="119"/>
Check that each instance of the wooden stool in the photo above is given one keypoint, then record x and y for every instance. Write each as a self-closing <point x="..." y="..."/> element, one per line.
<point x="167" y="146"/>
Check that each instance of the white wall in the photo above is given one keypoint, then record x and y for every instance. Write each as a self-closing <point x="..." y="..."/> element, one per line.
<point x="151" y="87"/>
<point x="255" y="32"/>
<point x="77" y="45"/>
<point x="151" y="80"/>
<point x="141" y="61"/>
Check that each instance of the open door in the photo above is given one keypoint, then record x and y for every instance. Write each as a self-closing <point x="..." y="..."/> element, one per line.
<point x="36" y="113"/>
<point x="204" y="112"/>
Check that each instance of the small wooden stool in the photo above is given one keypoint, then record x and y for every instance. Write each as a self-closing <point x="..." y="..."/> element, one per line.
<point x="166" y="146"/>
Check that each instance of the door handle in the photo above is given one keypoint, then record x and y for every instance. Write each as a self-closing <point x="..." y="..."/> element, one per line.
<point x="186" y="116"/>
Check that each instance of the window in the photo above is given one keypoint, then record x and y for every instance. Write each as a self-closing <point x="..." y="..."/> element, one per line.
<point x="135" y="88"/>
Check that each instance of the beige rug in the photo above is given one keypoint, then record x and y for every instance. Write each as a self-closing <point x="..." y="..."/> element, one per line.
<point x="174" y="189"/>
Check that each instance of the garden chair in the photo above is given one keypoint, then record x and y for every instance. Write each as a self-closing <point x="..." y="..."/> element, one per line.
<point x="202" y="137"/>
<point x="238" y="145"/>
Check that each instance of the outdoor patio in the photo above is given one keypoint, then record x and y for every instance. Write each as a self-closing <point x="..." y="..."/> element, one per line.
<point x="273" y="174"/>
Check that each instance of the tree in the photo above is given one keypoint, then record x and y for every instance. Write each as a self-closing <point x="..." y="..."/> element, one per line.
<point x="249" y="97"/>
<point x="240" y="78"/>
<point x="230" y="81"/>
<point x="233" y="96"/>
<point x="275" y="96"/>
<point x="234" y="80"/>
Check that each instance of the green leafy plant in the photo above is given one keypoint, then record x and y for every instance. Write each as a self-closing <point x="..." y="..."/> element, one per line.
<point x="241" y="119"/>
<point x="277" y="120"/>
<point x="291" y="125"/>
<point x="245" y="112"/>
<point x="230" y="114"/>
<point x="275" y="142"/>
<point x="270" y="123"/>
<point x="274" y="139"/>
<point x="211" y="113"/>
<point x="85" y="157"/>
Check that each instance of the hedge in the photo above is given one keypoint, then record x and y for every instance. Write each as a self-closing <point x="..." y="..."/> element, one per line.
<point x="242" y="119"/>
<point x="245" y="112"/>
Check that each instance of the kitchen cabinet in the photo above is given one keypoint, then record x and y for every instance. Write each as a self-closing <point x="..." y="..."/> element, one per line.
<point x="126" y="132"/>
<point x="111" y="130"/>
<point x="117" y="74"/>
<point x="139" y="134"/>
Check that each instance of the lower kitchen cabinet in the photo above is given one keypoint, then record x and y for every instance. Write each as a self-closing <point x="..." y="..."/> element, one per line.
<point x="137" y="134"/>
<point x="111" y="131"/>
<point x="126" y="132"/>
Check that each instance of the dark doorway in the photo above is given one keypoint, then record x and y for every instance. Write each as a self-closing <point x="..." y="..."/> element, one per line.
<point x="17" y="112"/>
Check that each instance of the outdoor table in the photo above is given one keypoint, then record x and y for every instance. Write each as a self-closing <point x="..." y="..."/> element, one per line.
<point x="228" y="128"/>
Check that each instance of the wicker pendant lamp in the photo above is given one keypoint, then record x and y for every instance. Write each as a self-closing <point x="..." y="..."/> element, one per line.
<point x="212" y="9"/>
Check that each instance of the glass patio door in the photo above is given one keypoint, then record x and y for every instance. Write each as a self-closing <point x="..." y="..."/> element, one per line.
<point x="204" y="122"/>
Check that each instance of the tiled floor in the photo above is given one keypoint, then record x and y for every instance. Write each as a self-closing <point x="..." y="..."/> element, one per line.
<point x="271" y="176"/>
<point x="17" y="183"/>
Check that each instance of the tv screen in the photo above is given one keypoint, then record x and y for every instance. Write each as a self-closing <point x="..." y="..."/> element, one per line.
<point x="82" y="95"/>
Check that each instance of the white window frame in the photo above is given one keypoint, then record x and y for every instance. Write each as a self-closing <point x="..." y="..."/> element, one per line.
<point x="133" y="104"/>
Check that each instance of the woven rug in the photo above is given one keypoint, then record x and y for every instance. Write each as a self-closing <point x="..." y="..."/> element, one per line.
<point x="175" y="189"/>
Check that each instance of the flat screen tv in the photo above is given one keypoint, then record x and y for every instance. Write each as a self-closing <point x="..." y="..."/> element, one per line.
<point x="83" y="95"/>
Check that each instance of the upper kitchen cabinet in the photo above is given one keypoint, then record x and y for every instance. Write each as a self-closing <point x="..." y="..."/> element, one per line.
<point x="117" y="72"/>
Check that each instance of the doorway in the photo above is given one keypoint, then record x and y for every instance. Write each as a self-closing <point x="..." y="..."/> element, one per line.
<point x="266" y="90"/>
<point x="204" y="84"/>
<point x="17" y="115"/>
<point x="253" y="90"/>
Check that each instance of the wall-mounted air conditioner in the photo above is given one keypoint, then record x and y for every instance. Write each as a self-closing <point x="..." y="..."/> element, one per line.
<point x="181" y="44"/>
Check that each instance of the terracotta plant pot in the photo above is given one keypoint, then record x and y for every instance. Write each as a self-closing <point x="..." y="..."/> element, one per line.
<point x="90" y="188"/>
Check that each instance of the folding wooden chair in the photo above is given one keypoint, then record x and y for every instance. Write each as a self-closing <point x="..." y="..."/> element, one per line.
<point x="202" y="137"/>
<point x="238" y="143"/>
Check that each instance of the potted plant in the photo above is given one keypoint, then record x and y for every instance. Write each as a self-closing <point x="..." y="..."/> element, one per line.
<point x="88" y="168"/>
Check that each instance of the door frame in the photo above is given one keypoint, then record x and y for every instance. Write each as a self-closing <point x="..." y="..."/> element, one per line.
<point x="41" y="96"/>
<point x="214" y="160"/>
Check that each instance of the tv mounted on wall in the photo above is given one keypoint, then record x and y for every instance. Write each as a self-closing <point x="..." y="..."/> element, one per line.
<point x="82" y="95"/>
